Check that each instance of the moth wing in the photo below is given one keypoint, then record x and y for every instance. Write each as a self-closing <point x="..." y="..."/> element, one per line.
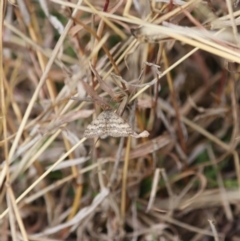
<point x="117" y="127"/>
<point x="97" y="128"/>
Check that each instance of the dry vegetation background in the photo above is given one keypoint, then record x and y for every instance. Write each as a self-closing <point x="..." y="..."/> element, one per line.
<point x="169" y="67"/>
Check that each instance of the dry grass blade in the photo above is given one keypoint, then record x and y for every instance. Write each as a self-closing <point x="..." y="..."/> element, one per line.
<point x="154" y="189"/>
<point x="214" y="230"/>
<point x="29" y="108"/>
<point x="99" y="100"/>
<point x="162" y="143"/>
<point x="103" y="84"/>
<point x="17" y="213"/>
<point x="83" y="213"/>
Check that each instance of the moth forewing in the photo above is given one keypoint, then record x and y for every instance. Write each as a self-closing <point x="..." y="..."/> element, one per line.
<point x="108" y="123"/>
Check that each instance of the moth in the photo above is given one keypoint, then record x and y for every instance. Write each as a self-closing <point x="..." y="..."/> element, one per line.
<point x="108" y="123"/>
